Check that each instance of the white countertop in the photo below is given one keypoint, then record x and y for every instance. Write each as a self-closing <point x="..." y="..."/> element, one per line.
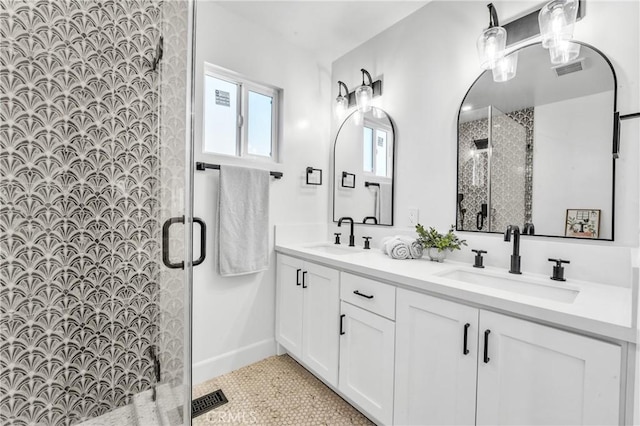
<point x="601" y="310"/>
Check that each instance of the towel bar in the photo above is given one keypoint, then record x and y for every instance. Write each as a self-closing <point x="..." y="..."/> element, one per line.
<point x="204" y="166"/>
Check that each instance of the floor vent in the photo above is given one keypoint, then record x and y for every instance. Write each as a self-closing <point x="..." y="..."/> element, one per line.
<point x="207" y="403"/>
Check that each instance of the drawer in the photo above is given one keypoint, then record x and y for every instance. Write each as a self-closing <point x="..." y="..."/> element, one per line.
<point x="371" y="295"/>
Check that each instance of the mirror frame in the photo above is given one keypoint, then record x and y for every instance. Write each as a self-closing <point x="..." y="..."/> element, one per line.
<point x="393" y="175"/>
<point x="615" y="138"/>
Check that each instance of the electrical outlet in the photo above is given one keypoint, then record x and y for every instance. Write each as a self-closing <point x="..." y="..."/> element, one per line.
<point x="413" y="217"/>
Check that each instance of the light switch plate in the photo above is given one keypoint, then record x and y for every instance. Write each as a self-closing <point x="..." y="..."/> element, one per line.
<point x="413" y="216"/>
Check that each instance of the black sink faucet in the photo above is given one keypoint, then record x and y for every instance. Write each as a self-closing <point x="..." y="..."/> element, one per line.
<point x="352" y="238"/>
<point x="515" y="257"/>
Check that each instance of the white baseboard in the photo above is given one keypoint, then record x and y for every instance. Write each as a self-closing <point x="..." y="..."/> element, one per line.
<point x="230" y="361"/>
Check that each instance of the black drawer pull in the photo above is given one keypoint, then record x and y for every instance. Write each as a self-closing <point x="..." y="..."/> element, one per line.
<point x="304" y="279"/>
<point x="363" y="295"/>
<point x="298" y="276"/>
<point x="341" y="330"/>
<point x="465" y="350"/>
<point x="486" y="346"/>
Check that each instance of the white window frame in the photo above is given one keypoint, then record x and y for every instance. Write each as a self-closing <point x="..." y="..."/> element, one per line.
<point x="245" y="86"/>
<point x="376" y="125"/>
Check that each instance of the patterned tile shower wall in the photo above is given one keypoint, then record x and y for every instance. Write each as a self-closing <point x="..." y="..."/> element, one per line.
<point x="512" y="168"/>
<point x="79" y="206"/>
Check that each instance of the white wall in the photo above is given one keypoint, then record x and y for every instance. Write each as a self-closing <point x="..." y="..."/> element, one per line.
<point x="581" y="166"/>
<point x="233" y="318"/>
<point x="427" y="63"/>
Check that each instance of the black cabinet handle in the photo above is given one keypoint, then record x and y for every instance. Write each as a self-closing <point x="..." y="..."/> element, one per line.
<point x="486" y="346"/>
<point x="341" y="330"/>
<point x="304" y="279"/>
<point x="203" y="241"/>
<point x="165" y="243"/>
<point x="363" y="295"/>
<point x="465" y="350"/>
<point x="298" y="276"/>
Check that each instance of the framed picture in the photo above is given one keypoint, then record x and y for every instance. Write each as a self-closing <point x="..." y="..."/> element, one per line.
<point x="348" y="180"/>
<point x="582" y="223"/>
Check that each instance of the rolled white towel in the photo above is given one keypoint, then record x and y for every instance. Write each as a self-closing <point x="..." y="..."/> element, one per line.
<point x="414" y="246"/>
<point x="383" y="244"/>
<point x="397" y="249"/>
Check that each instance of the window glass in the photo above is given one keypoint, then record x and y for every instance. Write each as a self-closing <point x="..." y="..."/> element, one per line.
<point x="367" y="150"/>
<point x="220" y="116"/>
<point x="381" y="153"/>
<point x="259" y="126"/>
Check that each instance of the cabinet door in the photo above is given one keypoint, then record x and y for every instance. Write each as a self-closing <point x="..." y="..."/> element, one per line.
<point x="366" y="361"/>
<point x="538" y="375"/>
<point x="435" y="381"/>
<point x="321" y="321"/>
<point x="289" y="304"/>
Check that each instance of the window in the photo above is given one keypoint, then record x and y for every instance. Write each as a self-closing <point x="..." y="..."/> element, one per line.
<point x="376" y="152"/>
<point x="240" y="116"/>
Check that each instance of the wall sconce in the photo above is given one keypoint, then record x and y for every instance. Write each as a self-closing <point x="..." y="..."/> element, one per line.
<point x="492" y="42"/>
<point x="491" y="50"/>
<point x="557" y="20"/>
<point x="364" y="93"/>
<point x="342" y="101"/>
<point x="362" y="97"/>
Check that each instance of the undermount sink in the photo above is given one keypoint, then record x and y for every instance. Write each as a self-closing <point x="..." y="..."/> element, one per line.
<point x="333" y="249"/>
<point x="517" y="284"/>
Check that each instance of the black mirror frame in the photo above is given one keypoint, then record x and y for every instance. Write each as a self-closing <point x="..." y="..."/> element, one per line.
<point x="393" y="177"/>
<point x="615" y="150"/>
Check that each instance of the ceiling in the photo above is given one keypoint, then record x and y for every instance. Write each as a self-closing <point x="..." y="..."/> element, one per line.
<point x="329" y="29"/>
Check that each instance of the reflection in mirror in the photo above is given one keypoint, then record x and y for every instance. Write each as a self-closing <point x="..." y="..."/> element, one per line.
<point x="536" y="148"/>
<point x="363" y="168"/>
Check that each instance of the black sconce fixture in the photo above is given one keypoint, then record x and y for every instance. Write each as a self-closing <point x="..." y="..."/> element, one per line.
<point x="362" y="97"/>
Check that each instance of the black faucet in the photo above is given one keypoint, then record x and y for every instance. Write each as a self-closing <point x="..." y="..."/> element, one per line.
<point x="352" y="238"/>
<point x="515" y="257"/>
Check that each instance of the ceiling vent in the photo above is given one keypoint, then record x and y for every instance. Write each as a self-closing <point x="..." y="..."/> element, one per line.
<point x="569" y="68"/>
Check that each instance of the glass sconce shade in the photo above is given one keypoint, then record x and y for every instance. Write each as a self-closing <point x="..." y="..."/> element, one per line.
<point x="557" y="19"/>
<point x="505" y="68"/>
<point x="364" y="98"/>
<point x="491" y="45"/>
<point x="342" y="105"/>
<point x="564" y="52"/>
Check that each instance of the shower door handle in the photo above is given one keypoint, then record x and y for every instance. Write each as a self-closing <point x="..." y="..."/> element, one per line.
<point x="203" y="241"/>
<point x="165" y="242"/>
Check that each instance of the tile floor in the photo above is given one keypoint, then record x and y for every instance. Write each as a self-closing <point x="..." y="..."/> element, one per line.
<point x="276" y="391"/>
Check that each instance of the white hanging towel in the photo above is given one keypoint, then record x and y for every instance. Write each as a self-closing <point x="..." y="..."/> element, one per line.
<point x="385" y="203"/>
<point x="244" y="221"/>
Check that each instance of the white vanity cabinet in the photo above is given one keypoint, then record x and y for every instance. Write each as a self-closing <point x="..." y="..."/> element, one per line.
<point x="435" y="380"/>
<point x="539" y="375"/>
<point x="367" y="345"/>
<point x="515" y="371"/>
<point x="308" y="315"/>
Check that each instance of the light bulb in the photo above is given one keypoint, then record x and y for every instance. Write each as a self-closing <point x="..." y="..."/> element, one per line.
<point x="491" y="45"/>
<point x="563" y="52"/>
<point x="557" y="19"/>
<point x="342" y="105"/>
<point x="364" y="98"/>
<point x="505" y="68"/>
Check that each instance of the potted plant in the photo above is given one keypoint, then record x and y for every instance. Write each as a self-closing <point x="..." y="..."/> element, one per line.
<point x="438" y="245"/>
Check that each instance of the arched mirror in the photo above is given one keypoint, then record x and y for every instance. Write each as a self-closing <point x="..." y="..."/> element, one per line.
<point x="536" y="151"/>
<point x="363" y="165"/>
